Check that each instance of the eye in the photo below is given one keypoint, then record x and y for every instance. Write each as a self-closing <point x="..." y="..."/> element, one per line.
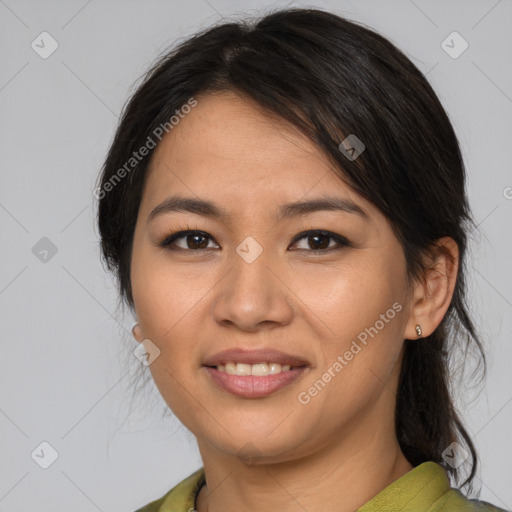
<point x="321" y="241"/>
<point x="318" y="241"/>
<point x="193" y="240"/>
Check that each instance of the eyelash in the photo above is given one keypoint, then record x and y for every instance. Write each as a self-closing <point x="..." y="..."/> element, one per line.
<point x="167" y="242"/>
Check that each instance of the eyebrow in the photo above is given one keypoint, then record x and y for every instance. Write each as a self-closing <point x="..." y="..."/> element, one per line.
<point x="209" y="209"/>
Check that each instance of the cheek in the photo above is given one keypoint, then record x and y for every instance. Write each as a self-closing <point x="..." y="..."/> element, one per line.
<point x="348" y="298"/>
<point x="363" y="306"/>
<point x="167" y="301"/>
<point x="167" y="295"/>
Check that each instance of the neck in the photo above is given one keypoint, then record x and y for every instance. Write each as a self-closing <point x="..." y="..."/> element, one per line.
<point x="333" y="479"/>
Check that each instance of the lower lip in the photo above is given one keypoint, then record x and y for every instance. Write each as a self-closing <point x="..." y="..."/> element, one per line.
<point x="252" y="386"/>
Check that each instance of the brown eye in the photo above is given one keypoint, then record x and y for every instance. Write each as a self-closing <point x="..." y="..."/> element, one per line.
<point x="194" y="240"/>
<point x="319" y="241"/>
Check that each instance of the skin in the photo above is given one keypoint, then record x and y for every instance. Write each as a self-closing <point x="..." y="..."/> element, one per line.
<point x="275" y="452"/>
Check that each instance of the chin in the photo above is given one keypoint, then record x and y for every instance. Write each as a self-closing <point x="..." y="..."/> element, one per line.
<point x="256" y="449"/>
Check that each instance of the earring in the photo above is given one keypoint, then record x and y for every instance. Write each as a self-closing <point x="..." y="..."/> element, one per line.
<point x="418" y="331"/>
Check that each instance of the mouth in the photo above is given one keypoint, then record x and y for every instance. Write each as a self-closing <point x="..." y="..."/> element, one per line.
<point x="259" y="369"/>
<point x="254" y="373"/>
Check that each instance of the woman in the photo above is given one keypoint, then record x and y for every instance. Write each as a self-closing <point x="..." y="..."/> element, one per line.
<point x="284" y="207"/>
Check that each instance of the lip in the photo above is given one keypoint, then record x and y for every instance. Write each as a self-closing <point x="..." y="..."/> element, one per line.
<point x="255" y="356"/>
<point x="251" y="386"/>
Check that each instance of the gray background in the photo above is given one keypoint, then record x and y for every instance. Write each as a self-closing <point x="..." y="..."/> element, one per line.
<point x="67" y="368"/>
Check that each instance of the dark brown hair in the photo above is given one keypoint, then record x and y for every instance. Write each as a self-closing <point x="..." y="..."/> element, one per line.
<point x="330" y="77"/>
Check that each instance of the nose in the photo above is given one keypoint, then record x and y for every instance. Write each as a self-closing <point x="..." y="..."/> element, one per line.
<point x="253" y="295"/>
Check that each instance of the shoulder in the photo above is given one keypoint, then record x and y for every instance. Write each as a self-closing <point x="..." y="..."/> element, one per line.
<point x="426" y="488"/>
<point x="455" y="501"/>
<point x="181" y="498"/>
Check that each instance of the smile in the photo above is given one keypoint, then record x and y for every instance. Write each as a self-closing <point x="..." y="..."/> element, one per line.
<point x="259" y="369"/>
<point x="254" y="373"/>
<point x="250" y="385"/>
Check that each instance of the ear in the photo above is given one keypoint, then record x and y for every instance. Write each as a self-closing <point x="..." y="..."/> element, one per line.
<point x="137" y="334"/>
<point x="433" y="293"/>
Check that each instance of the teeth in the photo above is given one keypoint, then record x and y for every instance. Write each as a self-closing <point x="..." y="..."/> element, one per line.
<point x="259" y="369"/>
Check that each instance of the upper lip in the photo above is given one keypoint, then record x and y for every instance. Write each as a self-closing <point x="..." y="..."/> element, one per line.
<point x="265" y="355"/>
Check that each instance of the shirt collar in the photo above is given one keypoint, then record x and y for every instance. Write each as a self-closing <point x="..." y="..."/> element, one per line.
<point x="183" y="496"/>
<point x="418" y="489"/>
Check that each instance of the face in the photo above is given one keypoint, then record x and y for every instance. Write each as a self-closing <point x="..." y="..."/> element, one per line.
<point x="324" y="290"/>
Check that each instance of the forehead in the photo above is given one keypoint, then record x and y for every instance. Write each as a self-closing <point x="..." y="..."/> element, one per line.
<point x="229" y="148"/>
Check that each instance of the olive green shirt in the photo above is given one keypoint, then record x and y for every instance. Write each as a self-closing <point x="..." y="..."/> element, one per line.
<point x="425" y="488"/>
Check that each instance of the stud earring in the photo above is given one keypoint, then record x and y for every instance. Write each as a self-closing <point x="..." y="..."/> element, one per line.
<point x="418" y="331"/>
